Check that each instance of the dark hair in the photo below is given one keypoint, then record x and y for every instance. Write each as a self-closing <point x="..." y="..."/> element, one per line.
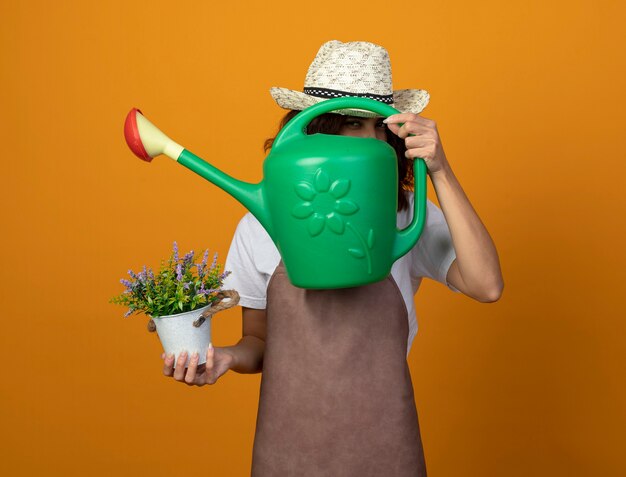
<point x="331" y="123"/>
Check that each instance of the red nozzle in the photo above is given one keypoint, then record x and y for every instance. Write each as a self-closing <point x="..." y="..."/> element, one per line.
<point x="131" y="133"/>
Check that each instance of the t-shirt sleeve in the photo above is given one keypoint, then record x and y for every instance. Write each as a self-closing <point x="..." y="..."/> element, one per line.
<point x="434" y="251"/>
<point x="245" y="276"/>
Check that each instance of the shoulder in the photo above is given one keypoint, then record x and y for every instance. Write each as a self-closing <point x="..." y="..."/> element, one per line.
<point x="250" y="229"/>
<point x="252" y="259"/>
<point x="250" y="224"/>
<point x="252" y="241"/>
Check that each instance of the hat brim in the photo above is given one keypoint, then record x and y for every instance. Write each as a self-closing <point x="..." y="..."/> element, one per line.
<point x="404" y="100"/>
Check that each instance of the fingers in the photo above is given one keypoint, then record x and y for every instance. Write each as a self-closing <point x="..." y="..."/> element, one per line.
<point x="408" y="117"/>
<point x="210" y="354"/>
<point x="413" y="142"/>
<point x="419" y="153"/>
<point x="190" y="376"/>
<point x="406" y="124"/>
<point x="190" y="372"/>
<point x="168" y="364"/>
<point x="210" y="362"/>
<point x="179" y="372"/>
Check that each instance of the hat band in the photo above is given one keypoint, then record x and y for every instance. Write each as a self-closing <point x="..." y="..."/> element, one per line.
<point x="333" y="93"/>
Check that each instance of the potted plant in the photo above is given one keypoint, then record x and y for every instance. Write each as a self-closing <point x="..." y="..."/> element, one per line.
<point x="180" y="300"/>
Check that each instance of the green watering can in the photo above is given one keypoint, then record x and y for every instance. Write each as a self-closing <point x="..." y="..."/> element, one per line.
<point x="328" y="202"/>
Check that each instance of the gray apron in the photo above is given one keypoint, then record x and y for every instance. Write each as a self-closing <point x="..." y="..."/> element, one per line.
<point x="336" y="394"/>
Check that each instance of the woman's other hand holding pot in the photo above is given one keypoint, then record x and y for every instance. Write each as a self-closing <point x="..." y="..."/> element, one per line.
<point x="218" y="361"/>
<point x="245" y="357"/>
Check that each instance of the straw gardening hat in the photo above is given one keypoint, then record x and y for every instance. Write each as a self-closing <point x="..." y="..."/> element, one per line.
<point x="356" y="68"/>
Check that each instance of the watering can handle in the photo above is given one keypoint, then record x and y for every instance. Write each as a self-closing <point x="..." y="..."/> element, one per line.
<point x="406" y="238"/>
<point x="295" y="129"/>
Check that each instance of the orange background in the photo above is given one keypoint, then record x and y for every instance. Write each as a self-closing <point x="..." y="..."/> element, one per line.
<point x="529" y="100"/>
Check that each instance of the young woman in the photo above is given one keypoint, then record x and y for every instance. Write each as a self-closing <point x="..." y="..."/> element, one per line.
<point x="336" y="393"/>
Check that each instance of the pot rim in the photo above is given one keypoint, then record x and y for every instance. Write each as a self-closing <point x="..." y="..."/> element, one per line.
<point x="181" y="314"/>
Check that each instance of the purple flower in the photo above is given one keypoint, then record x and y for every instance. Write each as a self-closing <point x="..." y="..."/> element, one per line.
<point x="188" y="259"/>
<point x="142" y="276"/>
<point x="204" y="292"/>
<point x="127" y="284"/>
<point x="128" y="313"/>
<point x="179" y="272"/>
<point x="132" y="274"/>
<point x="214" y="261"/>
<point x="175" y="252"/>
<point x="202" y="265"/>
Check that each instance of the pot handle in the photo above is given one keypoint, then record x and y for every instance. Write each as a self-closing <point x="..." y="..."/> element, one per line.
<point x="218" y="305"/>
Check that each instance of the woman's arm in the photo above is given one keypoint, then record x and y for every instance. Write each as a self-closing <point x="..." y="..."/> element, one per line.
<point x="476" y="270"/>
<point x="248" y="352"/>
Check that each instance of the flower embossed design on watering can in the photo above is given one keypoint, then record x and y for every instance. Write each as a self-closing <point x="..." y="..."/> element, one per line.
<point x="328" y="202"/>
<point x="320" y="216"/>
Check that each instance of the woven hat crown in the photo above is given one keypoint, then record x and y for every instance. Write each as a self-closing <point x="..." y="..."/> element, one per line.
<point x="356" y="67"/>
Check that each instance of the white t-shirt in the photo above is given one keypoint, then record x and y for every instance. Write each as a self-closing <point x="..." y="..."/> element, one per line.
<point x="253" y="257"/>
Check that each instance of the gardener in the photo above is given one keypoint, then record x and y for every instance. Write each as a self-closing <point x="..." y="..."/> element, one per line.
<point x="336" y="393"/>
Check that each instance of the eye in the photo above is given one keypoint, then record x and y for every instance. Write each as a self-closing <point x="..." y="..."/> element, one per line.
<point x="380" y="124"/>
<point x="352" y="123"/>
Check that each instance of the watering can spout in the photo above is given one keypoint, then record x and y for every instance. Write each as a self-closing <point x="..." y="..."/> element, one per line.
<point x="250" y="195"/>
<point x="146" y="141"/>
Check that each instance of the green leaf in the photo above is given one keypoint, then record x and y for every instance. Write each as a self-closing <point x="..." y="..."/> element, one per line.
<point x="357" y="252"/>
<point x="346" y="206"/>
<point x="305" y="191"/>
<point x="315" y="224"/>
<point x="340" y="188"/>
<point x="303" y="210"/>
<point x="322" y="181"/>
<point x="335" y="223"/>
